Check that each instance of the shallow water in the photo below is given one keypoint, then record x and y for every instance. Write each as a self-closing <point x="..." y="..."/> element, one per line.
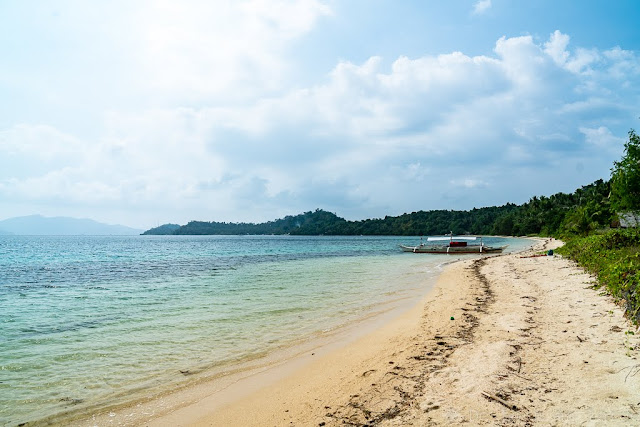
<point x="94" y="321"/>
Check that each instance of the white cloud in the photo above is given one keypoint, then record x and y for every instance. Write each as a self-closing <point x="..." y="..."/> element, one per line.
<point x="623" y="64"/>
<point x="469" y="183"/>
<point x="556" y="47"/>
<point x="218" y="48"/>
<point x="416" y="172"/>
<point x="582" y="60"/>
<point x="371" y="138"/>
<point x="155" y="53"/>
<point x="27" y="150"/>
<point x="40" y="141"/>
<point x="602" y="138"/>
<point x="481" y="6"/>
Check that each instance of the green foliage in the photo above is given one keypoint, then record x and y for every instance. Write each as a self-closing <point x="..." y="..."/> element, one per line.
<point x="476" y="221"/>
<point x="162" y="230"/>
<point x="625" y="177"/>
<point x="591" y="210"/>
<point x="561" y="214"/>
<point x="578" y="221"/>
<point x="309" y="223"/>
<point x="614" y="257"/>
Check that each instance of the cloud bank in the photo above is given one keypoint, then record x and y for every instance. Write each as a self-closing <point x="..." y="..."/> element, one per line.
<point x="211" y="125"/>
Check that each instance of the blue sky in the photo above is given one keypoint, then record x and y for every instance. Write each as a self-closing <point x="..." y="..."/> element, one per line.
<point x="147" y="112"/>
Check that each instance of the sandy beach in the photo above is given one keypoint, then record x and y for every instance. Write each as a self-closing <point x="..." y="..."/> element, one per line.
<point x="504" y="340"/>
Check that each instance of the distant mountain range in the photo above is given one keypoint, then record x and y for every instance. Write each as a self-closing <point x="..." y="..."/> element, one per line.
<point x="40" y="225"/>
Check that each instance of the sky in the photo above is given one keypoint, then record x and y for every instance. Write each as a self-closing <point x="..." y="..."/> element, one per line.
<point x="148" y="112"/>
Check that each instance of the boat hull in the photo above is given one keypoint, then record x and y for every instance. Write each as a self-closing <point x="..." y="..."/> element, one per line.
<point x="474" y="249"/>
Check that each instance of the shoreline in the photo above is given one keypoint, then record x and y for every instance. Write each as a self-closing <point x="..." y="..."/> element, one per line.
<point x="531" y="343"/>
<point x="367" y="382"/>
<point x="225" y="386"/>
<point x="326" y="362"/>
<point x="527" y="333"/>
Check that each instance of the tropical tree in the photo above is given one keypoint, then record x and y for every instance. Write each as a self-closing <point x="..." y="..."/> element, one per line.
<point x="625" y="177"/>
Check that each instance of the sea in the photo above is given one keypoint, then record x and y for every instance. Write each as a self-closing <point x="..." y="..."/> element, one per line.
<point x="90" y="322"/>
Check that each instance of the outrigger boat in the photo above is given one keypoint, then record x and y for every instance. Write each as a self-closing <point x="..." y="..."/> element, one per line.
<point x="453" y="245"/>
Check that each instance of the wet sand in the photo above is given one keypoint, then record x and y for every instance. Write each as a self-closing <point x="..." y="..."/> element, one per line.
<point x="503" y="340"/>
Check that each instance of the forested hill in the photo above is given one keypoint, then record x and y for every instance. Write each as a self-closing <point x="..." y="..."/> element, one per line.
<point x="584" y="209"/>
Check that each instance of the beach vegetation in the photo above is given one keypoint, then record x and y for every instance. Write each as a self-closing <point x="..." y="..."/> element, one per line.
<point x="613" y="256"/>
<point x="625" y="177"/>
<point x="576" y="213"/>
<point x="162" y="229"/>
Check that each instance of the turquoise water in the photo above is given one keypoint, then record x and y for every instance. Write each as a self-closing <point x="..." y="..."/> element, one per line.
<point x="88" y="322"/>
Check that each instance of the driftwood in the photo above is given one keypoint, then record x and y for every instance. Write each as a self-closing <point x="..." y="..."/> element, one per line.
<point x="501" y="401"/>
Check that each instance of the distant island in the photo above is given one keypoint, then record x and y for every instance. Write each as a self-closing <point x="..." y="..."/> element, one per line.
<point x="61" y="226"/>
<point x="575" y="213"/>
<point x="164" y="229"/>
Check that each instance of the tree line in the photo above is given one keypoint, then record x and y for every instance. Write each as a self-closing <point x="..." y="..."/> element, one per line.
<point x="540" y="215"/>
<point x="585" y="209"/>
<point x="612" y="255"/>
<point x="588" y="208"/>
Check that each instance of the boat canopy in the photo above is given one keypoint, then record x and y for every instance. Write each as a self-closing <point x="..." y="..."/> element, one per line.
<point x="433" y="239"/>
